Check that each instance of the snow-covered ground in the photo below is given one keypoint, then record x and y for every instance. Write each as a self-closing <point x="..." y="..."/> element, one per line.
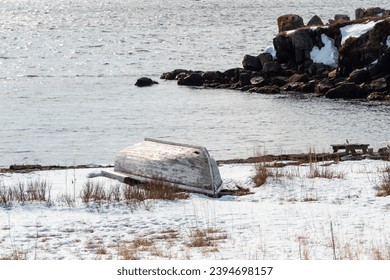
<point x="291" y="216"/>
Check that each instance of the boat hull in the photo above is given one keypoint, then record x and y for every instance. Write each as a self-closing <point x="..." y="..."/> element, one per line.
<point x="188" y="167"/>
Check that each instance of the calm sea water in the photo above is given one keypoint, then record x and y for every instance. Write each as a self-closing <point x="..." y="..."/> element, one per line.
<point x="68" y="68"/>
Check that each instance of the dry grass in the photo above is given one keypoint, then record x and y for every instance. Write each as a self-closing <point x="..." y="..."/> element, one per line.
<point x="324" y="172"/>
<point x="93" y="192"/>
<point x="304" y="253"/>
<point x="154" y="189"/>
<point x="67" y="200"/>
<point x="133" y="193"/>
<point x="384" y="184"/>
<point x="134" y="196"/>
<point x="131" y="250"/>
<point x="199" y="238"/>
<point x="101" y="250"/>
<point x="276" y="171"/>
<point x="159" y="189"/>
<point x="127" y="252"/>
<point x="141" y="243"/>
<point x="168" y="235"/>
<point x="6" y="196"/>
<point x="206" y="237"/>
<point x="310" y="199"/>
<point x="381" y="253"/>
<point x="261" y="174"/>
<point x="38" y="190"/>
<point x="343" y="247"/>
<point x="317" y="171"/>
<point x="16" y="255"/>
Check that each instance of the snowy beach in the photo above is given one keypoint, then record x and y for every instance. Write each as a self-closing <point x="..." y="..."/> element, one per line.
<point x="294" y="215"/>
<point x="68" y="98"/>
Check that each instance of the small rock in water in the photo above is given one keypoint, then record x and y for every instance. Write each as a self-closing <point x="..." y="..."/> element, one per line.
<point x="145" y="82"/>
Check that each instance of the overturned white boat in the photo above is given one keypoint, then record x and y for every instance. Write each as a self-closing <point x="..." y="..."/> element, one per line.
<point x="187" y="167"/>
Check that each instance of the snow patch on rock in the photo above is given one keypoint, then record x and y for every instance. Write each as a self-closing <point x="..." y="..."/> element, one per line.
<point x="328" y="54"/>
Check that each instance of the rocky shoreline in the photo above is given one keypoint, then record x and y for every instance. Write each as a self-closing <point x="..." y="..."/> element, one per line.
<point x="344" y="58"/>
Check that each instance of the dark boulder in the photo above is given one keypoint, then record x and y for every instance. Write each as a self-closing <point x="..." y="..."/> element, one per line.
<point x="359" y="76"/>
<point x="323" y="86"/>
<point x="173" y="74"/>
<point x="299" y="78"/>
<point x="193" y="79"/>
<point x="378" y="96"/>
<point x="284" y="49"/>
<point x="244" y="79"/>
<point x="315" y="21"/>
<point x="312" y="70"/>
<point x="353" y="55"/>
<point x="279" y="81"/>
<point x="251" y="63"/>
<point x="295" y="86"/>
<point x="370" y="12"/>
<point x="309" y="86"/>
<point x="363" y="51"/>
<point x="145" y="82"/>
<point x="272" y="68"/>
<point x="381" y="67"/>
<point x="213" y="76"/>
<point x="303" y="42"/>
<point x="233" y="74"/>
<point x="294" y="48"/>
<point x="341" y="17"/>
<point x="347" y="90"/>
<point x="265" y="57"/>
<point x="268" y="90"/>
<point x="359" y="13"/>
<point x="259" y="81"/>
<point x="289" y="22"/>
<point x="317" y="69"/>
<point x="380" y="84"/>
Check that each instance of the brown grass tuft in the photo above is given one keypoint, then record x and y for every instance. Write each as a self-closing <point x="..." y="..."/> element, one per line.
<point x="16" y="255"/>
<point x="141" y="243"/>
<point x="310" y="199"/>
<point x="261" y="174"/>
<point x="384" y="184"/>
<point x="101" y="250"/>
<point x="159" y="189"/>
<point x="154" y="189"/>
<point x="38" y="190"/>
<point x="127" y="252"/>
<point x="324" y="172"/>
<point x="206" y="237"/>
<point x="93" y="192"/>
<point x="168" y="234"/>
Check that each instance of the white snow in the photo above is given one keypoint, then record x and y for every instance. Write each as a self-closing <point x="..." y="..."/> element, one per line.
<point x="388" y="41"/>
<point x="271" y="50"/>
<point x="356" y="30"/>
<point x="290" y="217"/>
<point x="328" y="54"/>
